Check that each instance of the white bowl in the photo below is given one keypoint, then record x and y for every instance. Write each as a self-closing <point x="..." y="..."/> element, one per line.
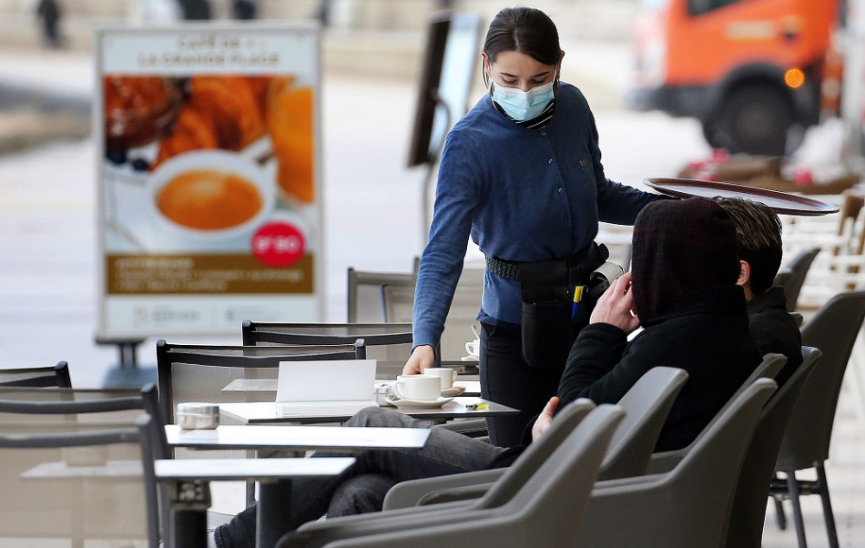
<point x="219" y="161"/>
<point x="196" y="415"/>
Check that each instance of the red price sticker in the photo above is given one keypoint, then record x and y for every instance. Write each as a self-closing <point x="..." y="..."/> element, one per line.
<point x="278" y="244"/>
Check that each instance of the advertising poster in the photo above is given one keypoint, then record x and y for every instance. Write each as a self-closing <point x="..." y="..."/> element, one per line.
<point x="208" y="171"/>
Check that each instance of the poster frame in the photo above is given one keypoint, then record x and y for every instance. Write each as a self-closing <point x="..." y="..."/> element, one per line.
<point x="105" y="331"/>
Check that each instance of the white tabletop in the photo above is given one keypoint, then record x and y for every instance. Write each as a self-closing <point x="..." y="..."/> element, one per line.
<point x="110" y="470"/>
<point x="473" y="387"/>
<point x="248" y="469"/>
<point x="300" y="438"/>
<point x="458" y="408"/>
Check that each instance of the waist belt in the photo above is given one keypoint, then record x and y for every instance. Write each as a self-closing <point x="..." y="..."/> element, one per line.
<point x="579" y="264"/>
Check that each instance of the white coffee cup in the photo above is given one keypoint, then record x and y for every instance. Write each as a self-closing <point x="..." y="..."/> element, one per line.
<point x="473" y="348"/>
<point x="418" y="387"/>
<point x="446" y="374"/>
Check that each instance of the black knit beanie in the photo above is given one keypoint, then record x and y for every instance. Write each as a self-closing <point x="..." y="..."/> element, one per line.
<point x="680" y="247"/>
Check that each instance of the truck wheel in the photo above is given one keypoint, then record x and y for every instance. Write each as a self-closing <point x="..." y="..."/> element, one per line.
<point x="712" y="134"/>
<point x="755" y="120"/>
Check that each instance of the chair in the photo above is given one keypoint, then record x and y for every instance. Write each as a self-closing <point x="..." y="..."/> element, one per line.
<point x="199" y="373"/>
<point x="191" y="373"/>
<point x="689" y="506"/>
<point x="749" y="505"/>
<point x="399" y="307"/>
<point x="37" y="376"/>
<point x="72" y="466"/>
<point x="534" y="506"/>
<point x="833" y="329"/>
<point x="388" y="343"/>
<point x="646" y="406"/>
<point x="792" y="275"/>
<point x="407" y="493"/>
<point x="767" y="369"/>
<point x="841" y="267"/>
<point x="365" y="293"/>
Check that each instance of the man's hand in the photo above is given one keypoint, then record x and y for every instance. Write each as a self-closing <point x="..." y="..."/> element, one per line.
<point x="614" y="306"/>
<point x="422" y="356"/>
<point x="545" y="418"/>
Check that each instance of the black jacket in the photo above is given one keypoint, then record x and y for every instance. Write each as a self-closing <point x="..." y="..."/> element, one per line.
<point x="708" y="337"/>
<point x="775" y="330"/>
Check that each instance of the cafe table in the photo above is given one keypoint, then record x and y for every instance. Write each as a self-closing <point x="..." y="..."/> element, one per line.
<point x="274" y="506"/>
<point x="267" y="387"/>
<point x="260" y="413"/>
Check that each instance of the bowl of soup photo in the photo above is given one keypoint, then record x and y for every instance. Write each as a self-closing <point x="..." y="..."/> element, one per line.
<point x="211" y="196"/>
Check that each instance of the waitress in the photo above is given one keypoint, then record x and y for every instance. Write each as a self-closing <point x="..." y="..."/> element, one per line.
<point x="521" y="174"/>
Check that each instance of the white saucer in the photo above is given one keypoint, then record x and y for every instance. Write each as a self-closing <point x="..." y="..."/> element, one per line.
<point x="426" y="404"/>
<point x="453" y="391"/>
<point x="470" y="358"/>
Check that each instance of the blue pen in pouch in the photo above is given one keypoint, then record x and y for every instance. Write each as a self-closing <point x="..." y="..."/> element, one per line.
<point x="578" y="296"/>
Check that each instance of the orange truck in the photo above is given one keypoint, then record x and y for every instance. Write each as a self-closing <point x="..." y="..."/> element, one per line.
<point x="756" y="73"/>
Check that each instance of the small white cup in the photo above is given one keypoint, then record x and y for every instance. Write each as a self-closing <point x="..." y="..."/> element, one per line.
<point x="473" y="348"/>
<point x="446" y="374"/>
<point x="418" y="387"/>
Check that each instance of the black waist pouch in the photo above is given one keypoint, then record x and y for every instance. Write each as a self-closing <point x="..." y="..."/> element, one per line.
<point x="550" y="320"/>
<point x="546" y="318"/>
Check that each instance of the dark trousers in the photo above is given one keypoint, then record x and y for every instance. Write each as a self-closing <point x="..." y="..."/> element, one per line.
<point x="507" y="379"/>
<point x="362" y="487"/>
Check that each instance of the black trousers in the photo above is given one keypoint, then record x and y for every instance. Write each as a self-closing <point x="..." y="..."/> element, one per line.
<point x="507" y="379"/>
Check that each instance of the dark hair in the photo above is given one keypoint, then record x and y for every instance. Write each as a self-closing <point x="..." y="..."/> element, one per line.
<point x="524" y="30"/>
<point x="758" y="232"/>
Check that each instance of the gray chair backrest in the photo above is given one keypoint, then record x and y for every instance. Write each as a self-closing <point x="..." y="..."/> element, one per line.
<point x="406" y="494"/>
<point x="688" y="506"/>
<point x="792" y="275"/>
<point x="646" y="406"/>
<point x="833" y="329"/>
<point x="749" y="505"/>
<point x="541" y="510"/>
<point x="767" y="369"/>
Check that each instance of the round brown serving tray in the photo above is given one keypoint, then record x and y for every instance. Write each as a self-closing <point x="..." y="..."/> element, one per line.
<point x="780" y="202"/>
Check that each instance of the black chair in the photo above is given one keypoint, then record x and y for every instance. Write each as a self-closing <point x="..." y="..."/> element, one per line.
<point x="37" y="376"/>
<point x="833" y="329"/>
<point x="200" y="373"/>
<point x="72" y="465"/>
<point x="192" y="373"/>
<point x="388" y="343"/>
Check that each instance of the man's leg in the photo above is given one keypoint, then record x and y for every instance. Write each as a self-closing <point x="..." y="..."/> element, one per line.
<point x="445" y="452"/>
<point x="360" y="495"/>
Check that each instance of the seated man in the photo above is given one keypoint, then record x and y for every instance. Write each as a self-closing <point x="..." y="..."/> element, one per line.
<point x="758" y="230"/>
<point x="683" y="285"/>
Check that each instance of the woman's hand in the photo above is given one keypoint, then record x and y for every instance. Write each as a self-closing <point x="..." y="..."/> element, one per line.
<point x="614" y="306"/>
<point x="545" y="418"/>
<point x="422" y="356"/>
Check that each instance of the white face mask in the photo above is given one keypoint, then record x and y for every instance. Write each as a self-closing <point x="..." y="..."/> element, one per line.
<point x="523" y="105"/>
